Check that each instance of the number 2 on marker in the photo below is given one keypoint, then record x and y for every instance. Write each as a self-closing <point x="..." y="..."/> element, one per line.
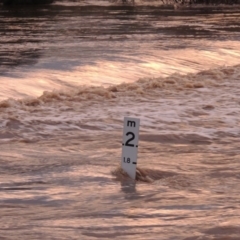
<point x="130" y="139"/>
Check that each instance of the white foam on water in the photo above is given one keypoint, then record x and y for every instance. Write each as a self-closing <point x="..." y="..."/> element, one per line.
<point x="205" y="104"/>
<point x="48" y="77"/>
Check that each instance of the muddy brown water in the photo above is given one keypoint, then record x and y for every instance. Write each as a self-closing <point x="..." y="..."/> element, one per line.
<point x="70" y="72"/>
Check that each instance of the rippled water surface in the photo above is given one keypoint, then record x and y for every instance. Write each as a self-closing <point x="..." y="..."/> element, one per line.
<point x="103" y="43"/>
<point x="70" y="72"/>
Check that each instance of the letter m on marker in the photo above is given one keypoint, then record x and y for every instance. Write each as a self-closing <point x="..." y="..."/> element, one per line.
<point x="131" y="123"/>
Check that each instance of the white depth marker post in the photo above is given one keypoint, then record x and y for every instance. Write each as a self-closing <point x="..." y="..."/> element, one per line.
<point x="130" y="146"/>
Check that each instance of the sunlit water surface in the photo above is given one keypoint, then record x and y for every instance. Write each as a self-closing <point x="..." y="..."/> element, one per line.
<point x="61" y="142"/>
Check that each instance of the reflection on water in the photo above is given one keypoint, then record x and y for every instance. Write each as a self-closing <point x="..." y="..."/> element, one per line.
<point x="58" y="150"/>
<point x="61" y="190"/>
<point x="102" y="43"/>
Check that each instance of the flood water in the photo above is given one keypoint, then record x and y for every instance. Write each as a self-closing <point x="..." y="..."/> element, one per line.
<point x="70" y="72"/>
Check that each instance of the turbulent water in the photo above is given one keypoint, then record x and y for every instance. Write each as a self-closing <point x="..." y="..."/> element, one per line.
<point x="70" y="72"/>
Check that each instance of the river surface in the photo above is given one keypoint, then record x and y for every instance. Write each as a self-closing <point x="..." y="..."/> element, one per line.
<point x="70" y="72"/>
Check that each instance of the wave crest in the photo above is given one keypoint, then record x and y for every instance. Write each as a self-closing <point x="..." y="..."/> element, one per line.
<point x="145" y="86"/>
